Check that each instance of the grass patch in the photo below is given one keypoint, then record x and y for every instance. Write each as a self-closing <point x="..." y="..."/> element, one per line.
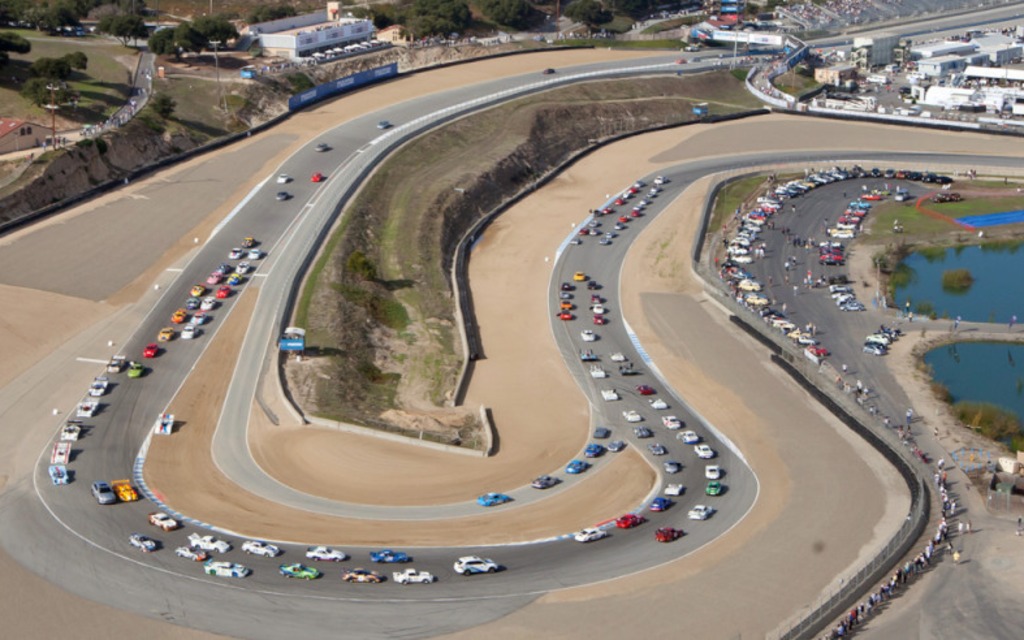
<point x="992" y="421"/>
<point x="603" y="43"/>
<point x="902" y="276"/>
<point x="618" y="24"/>
<point x="957" y="280"/>
<point x="734" y="195"/>
<point x="198" y="104"/>
<point x="975" y="207"/>
<point x="914" y="222"/>
<point x="668" y="25"/>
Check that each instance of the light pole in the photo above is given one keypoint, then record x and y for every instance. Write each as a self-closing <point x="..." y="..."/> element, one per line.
<point x="53" y="112"/>
<point x="216" y="64"/>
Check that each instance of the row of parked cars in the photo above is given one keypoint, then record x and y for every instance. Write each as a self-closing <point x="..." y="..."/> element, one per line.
<point x="878" y="343"/>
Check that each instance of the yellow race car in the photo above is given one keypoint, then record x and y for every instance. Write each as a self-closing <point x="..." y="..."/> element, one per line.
<point x="579" y="276"/>
<point x="179" y="316"/>
<point x="124" y="490"/>
<point x="166" y="334"/>
<point x="198" y="291"/>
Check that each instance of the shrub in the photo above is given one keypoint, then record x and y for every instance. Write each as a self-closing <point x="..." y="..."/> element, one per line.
<point x="957" y="280"/>
<point x="992" y="421"/>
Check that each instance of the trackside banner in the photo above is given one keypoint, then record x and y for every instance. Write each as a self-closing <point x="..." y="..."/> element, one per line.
<point x="341" y="85"/>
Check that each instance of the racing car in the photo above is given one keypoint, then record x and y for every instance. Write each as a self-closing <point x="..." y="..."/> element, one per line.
<point x="469" y="565"/>
<point x="191" y="554"/>
<point x="388" y="556"/>
<point x="135" y="369"/>
<point x="166" y="335"/>
<point x="362" y="576"/>
<point x="258" y="548"/>
<point x="493" y="499"/>
<point x="668" y="534"/>
<point x="576" y="467"/>
<point x="225" y="569"/>
<point x="164" y="521"/>
<point x="297" y="570"/>
<point x="208" y="543"/>
<point x="145" y="544"/>
<point x="325" y="554"/>
<point x="660" y="504"/>
<point x="629" y="520"/>
<point x="589" y="535"/>
<point x="412" y="576"/>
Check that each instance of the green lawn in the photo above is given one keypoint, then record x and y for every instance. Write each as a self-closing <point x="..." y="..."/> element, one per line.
<point x="622" y="44"/>
<point x="914" y="222"/>
<point x="668" y="25"/>
<point x="731" y="196"/>
<point x="973" y="207"/>
<point x="103" y="85"/>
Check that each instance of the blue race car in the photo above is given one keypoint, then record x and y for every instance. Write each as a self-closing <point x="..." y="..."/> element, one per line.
<point x="493" y="499"/>
<point x="387" y="555"/>
<point x="235" y="279"/>
<point x="594" y="450"/>
<point x="577" y="466"/>
<point x="660" y="504"/>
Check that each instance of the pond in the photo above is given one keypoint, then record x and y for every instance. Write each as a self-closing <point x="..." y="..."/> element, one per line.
<point x="982" y="372"/>
<point x="996" y="294"/>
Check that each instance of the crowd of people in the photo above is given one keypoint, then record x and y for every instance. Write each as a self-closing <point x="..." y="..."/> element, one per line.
<point x="904" y="575"/>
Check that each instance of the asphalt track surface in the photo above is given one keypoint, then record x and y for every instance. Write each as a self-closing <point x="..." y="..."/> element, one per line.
<point x="152" y="584"/>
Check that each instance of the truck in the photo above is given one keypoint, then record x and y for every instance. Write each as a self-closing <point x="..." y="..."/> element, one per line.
<point x="116" y="364"/>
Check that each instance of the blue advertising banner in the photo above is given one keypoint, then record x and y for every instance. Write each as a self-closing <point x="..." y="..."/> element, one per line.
<point x="341" y="85"/>
<point x="292" y="344"/>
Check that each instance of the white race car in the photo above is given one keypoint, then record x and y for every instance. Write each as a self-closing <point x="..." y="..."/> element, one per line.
<point x="659" y="404"/>
<point x="164" y="521"/>
<point x="412" y="576"/>
<point x="704" y="452"/>
<point x="671" y="422"/>
<point x="243" y="268"/>
<point x="588" y="336"/>
<point x="284" y="178"/>
<point x="225" y="569"/>
<point x="208" y="303"/>
<point x="258" y="548"/>
<point x="326" y="554"/>
<point x="208" y="543"/>
<point x="99" y="386"/>
<point x="191" y="554"/>
<point x="700" y="512"/>
<point x="632" y="416"/>
<point x="145" y="544"/>
<point x="689" y="437"/>
<point x="674" y="490"/>
<point x="712" y="472"/>
<point x="468" y="565"/>
<point x="618" y="357"/>
<point x="589" y="535"/>
<point x="609" y="394"/>
<point x="188" y="331"/>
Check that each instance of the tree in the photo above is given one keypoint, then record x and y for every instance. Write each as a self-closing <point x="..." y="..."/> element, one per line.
<point x="163" y="105"/>
<point x="589" y="12"/>
<point x="438" y="17"/>
<point x="123" y="27"/>
<point x="186" y="38"/>
<point x="51" y="69"/>
<point x="511" y="13"/>
<point x="268" y="12"/>
<point x="361" y="265"/>
<point x="162" y="43"/>
<point x="76" y="60"/>
<point x="12" y="42"/>
<point x="215" y="28"/>
<point x="36" y="90"/>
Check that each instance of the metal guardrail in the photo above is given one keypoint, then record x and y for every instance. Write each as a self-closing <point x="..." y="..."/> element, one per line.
<point x="818" y="380"/>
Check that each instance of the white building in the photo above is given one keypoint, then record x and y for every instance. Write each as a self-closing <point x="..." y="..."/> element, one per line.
<point x="302" y="36"/>
<point x="941" y="66"/>
<point x="940" y="49"/>
<point x="875" y="51"/>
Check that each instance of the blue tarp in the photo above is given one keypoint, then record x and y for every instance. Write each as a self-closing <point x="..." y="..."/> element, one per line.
<point x="993" y="219"/>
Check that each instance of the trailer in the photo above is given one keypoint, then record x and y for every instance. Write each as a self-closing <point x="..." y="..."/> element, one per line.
<point x="58" y="474"/>
<point x="61" y="453"/>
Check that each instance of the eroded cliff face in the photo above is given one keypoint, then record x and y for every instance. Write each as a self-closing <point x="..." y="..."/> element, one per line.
<point x="88" y="164"/>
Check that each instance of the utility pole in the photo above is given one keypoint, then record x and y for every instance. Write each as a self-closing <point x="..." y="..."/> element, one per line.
<point x="53" y="112"/>
<point x="216" y="64"/>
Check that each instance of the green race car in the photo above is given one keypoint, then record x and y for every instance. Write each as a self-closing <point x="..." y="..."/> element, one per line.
<point x="297" y="570"/>
<point x="714" y="488"/>
<point x="135" y="370"/>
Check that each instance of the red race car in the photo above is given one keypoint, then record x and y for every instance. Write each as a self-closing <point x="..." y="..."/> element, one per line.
<point x="223" y="292"/>
<point x="566" y="315"/>
<point x="600" y="320"/>
<point x="317" y="177"/>
<point x="668" y="534"/>
<point x="629" y="521"/>
<point x="645" y="390"/>
<point x="871" y="196"/>
<point x="635" y="213"/>
<point x="151" y="350"/>
<point x="623" y="219"/>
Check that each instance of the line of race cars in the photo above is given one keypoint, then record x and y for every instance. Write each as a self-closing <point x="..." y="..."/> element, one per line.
<point x="598" y="309"/>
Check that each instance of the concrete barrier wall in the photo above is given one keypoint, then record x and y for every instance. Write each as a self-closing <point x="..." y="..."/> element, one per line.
<point x="395" y="437"/>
